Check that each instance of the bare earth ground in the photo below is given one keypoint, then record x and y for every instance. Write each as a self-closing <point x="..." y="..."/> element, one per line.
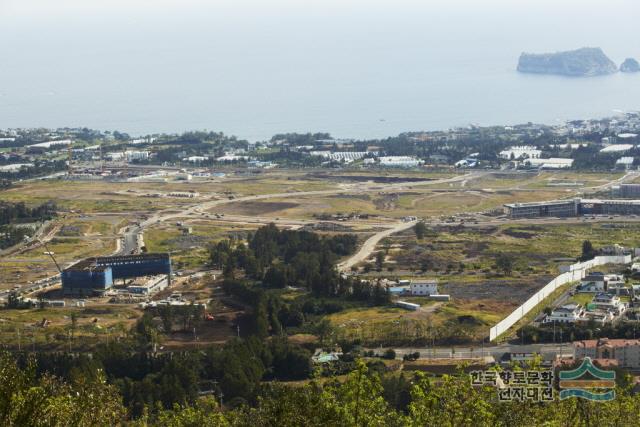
<point x="95" y="212"/>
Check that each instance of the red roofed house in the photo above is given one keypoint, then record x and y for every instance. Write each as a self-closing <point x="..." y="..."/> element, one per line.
<point x="625" y="352"/>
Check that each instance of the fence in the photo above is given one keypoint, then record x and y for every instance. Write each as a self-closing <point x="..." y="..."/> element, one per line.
<point x="575" y="272"/>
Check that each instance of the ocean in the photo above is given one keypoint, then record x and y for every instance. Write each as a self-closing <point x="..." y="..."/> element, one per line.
<point x="356" y="72"/>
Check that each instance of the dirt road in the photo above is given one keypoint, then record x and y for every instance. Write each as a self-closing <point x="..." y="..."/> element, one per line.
<point x="370" y="245"/>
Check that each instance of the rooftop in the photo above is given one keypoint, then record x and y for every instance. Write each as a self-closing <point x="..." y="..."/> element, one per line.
<point x="606" y="341"/>
<point x="101" y="263"/>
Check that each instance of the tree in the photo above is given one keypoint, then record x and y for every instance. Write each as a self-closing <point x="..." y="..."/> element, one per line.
<point x="167" y="315"/>
<point x="420" y="229"/>
<point x="379" y="260"/>
<point x="504" y="263"/>
<point x="28" y="399"/>
<point x="323" y="329"/>
<point x="588" y="251"/>
<point x="276" y="276"/>
<point x="430" y="403"/>
<point x="74" y="323"/>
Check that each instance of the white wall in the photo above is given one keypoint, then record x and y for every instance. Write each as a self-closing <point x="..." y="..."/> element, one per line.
<point x="576" y="272"/>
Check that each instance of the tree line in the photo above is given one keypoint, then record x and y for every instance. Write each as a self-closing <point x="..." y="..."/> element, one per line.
<point x="365" y="397"/>
<point x="19" y="212"/>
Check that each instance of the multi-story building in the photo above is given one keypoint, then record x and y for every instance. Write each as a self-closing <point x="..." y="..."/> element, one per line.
<point x="424" y="288"/>
<point x="569" y="313"/>
<point x="558" y="208"/>
<point x="625" y="352"/>
<point x="627" y="191"/>
<point x="572" y="207"/>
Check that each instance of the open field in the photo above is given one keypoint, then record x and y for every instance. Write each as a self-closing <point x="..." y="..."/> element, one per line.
<point x="98" y="198"/>
<point x="94" y="324"/>
<point x="461" y="258"/>
<point x="189" y="251"/>
<point x="423" y="203"/>
<point x="459" y="321"/>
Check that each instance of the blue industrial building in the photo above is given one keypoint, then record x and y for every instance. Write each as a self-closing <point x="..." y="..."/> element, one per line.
<point x="95" y="275"/>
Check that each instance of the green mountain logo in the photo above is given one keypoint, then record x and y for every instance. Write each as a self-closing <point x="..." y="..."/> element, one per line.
<point x="573" y="386"/>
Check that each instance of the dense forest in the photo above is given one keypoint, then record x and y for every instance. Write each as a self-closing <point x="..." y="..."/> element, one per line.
<point x="286" y="258"/>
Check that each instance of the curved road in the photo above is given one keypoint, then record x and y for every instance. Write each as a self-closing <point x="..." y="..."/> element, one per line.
<point x="370" y="245"/>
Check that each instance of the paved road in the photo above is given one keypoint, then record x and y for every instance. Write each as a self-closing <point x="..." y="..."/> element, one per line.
<point x="626" y="177"/>
<point x="479" y="351"/>
<point x="129" y="242"/>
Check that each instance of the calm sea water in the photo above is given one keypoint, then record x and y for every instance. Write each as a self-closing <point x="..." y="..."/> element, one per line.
<point x="355" y="72"/>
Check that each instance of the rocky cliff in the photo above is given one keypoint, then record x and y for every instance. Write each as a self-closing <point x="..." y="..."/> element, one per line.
<point x="630" y="65"/>
<point x="583" y="62"/>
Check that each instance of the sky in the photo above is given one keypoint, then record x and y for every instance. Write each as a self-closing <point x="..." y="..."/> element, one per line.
<point x="95" y="58"/>
<point x="319" y="22"/>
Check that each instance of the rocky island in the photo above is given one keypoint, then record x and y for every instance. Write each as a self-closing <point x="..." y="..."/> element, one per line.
<point x="583" y="62"/>
<point x="630" y="65"/>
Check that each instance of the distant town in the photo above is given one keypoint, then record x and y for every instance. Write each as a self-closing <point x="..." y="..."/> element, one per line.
<point x="604" y="144"/>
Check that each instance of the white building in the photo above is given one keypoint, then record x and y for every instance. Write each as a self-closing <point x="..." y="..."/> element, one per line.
<point x="599" y="317"/>
<point x="625" y="162"/>
<point x="15" y="167"/>
<point x="195" y="159"/>
<point x="407" y="305"/>
<point x="627" y="135"/>
<point x="569" y="313"/>
<point x="551" y="163"/>
<point x="152" y="286"/>
<point x="593" y="283"/>
<point x="136" y="155"/>
<point x="520" y="152"/>
<point x="399" y="161"/>
<point x="137" y="141"/>
<point x="343" y="156"/>
<point x="424" y="288"/>
<point x="115" y="156"/>
<point x="466" y="163"/>
<point x="184" y="194"/>
<point x="617" y="148"/>
<point x="611" y="303"/>
<point x="49" y="144"/>
<point x="232" y="158"/>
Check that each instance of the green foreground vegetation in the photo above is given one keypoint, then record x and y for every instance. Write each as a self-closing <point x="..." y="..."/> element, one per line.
<point x="363" y="398"/>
